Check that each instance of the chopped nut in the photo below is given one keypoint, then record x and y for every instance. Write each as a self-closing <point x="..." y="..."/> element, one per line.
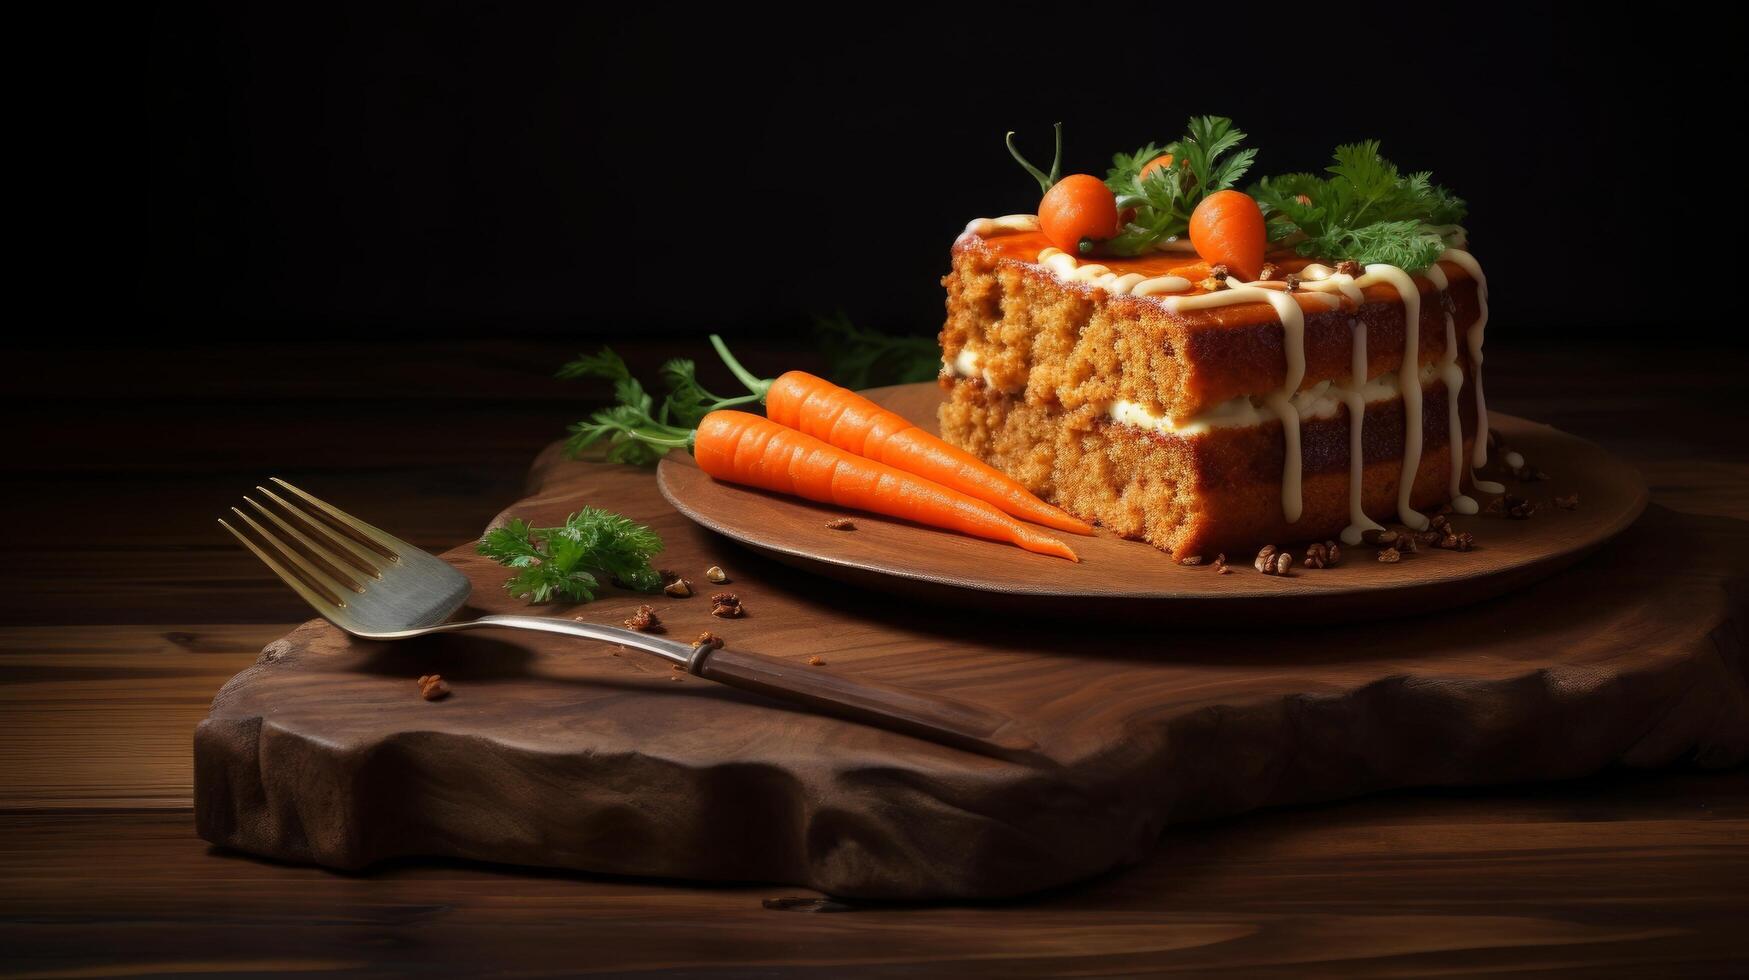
<point x="1569" y="502"/>
<point x="1389" y="555"/>
<point x="1192" y="560"/>
<point x="1293" y="282"/>
<point x="1429" y="536"/>
<point x="1518" y="508"/>
<point x="1218" y="271"/>
<point x="1268" y="272"/>
<point x="1379" y="537"/>
<point x="1458" y="541"/>
<point x="716" y="574"/>
<point x="1325" y="555"/>
<point x="1273" y="562"/>
<point x="1265" y="559"/>
<point x="1438" y="522"/>
<point x="711" y="640"/>
<point x="1223" y="570"/>
<point x="644" y="620"/>
<point x="1495" y="506"/>
<point x="1211" y="284"/>
<point x="841" y="524"/>
<point x="816" y="661"/>
<point x="727" y="605"/>
<point x="432" y="687"/>
<point x="679" y="588"/>
<point x="1349" y="267"/>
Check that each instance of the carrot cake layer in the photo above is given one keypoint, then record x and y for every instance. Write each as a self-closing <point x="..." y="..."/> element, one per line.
<point x="1205" y="367"/>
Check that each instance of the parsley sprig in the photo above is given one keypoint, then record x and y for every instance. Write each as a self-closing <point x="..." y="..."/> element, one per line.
<point x="1206" y="159"/>
<point x="635" y="428"/>
<point x="569" y="561"/>
<point x="1365" y="210"/>
<point x="860" y="357"/>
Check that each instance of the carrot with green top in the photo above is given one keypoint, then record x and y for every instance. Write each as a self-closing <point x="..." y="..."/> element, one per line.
<point x="636" y="431"/>
<point x="851" y="422"/>
<point x="741" y="448"/>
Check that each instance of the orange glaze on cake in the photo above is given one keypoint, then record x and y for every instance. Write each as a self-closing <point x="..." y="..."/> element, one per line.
<point x="1025" y="246"/>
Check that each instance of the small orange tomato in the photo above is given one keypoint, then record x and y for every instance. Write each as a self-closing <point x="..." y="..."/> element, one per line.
<point x="1077" y="208"/>
<point x="1227" y="228"/>
<point x="1162" y="161"/>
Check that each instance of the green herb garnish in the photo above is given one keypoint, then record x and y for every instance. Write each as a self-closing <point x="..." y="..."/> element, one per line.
<point x="860" y="358"/>
<point x="1365" y="211"/>
<point x="569" y="561"/>
<point x="1203" y="161"/>
<point x="638" y="431"/>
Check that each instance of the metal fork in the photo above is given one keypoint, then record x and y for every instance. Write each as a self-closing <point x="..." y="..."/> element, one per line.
<point x="375" y="586"/>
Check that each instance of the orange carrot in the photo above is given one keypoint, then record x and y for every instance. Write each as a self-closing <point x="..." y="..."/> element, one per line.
<point x="1078" y="212"/>
<point x="851" y="422"/>
<point x="1228" y="227"/>
<point x="742" y="448"/>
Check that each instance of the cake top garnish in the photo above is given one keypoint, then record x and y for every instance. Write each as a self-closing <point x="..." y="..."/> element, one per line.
<point x="1363" y="209"/>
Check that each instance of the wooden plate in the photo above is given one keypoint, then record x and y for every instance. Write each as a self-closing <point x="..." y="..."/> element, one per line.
<point x="1130" y="579"/>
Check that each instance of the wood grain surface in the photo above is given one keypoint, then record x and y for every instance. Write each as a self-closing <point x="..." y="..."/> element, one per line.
<point x="112" y="644"/>
<point x="562" y="753"/>
<point x="1129" y="580"/>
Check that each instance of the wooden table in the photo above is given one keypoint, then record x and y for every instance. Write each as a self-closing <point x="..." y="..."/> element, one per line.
<point x="125" y="608"/>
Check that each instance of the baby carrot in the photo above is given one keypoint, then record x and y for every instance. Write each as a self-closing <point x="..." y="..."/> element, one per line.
<point x="747" y="449"/>
<point x="853" y="423"/>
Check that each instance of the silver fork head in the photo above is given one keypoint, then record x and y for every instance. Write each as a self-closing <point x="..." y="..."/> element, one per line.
<point x="362" y="579"/>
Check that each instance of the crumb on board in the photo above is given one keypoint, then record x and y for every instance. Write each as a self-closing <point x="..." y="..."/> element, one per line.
<point x="644" y="620"/>
<point x="727" y="605"/>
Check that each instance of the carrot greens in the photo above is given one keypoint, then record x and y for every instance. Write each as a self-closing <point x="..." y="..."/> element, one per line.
<point x="1204" y="160"/>
<point x="1365" y="211"/>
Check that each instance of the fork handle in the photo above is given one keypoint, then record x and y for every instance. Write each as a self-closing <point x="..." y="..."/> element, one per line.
<point x="902" y="709"/>
<point x="913" y="712"/>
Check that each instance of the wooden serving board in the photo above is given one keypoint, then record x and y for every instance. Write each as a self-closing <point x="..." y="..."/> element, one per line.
<point x="1130" y="580"/>
<point x="560" y="753"/>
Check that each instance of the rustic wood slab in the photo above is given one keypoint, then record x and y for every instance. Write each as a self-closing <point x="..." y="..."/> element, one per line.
<point x="1131" y="580"/>
<point x="554" y="752"/>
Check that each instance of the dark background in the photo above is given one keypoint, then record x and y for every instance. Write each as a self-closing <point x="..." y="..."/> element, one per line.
<point x="464" y="170"/>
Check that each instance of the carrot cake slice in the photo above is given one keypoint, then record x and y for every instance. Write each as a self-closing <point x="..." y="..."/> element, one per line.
<point x="1210" y="370"/>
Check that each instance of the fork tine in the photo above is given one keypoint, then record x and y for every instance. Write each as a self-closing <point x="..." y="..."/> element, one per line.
<point x="329" y="607"/>
<point x="315" y="576"/>
<point x="391" y="546"/>
<point x="332" y="563"/>
<point x="323" y="533"/>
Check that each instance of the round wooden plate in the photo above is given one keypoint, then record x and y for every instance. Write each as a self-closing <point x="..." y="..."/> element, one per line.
<point x="1132" y="580"/>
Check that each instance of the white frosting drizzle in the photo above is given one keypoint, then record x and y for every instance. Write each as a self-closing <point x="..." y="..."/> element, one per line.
<point x="1069" y="269"/>
<point x="1411" y="299"/>
<point x="1476" y="334"/>
<point x="1293" y="344"/>
<point x="1453" y="376"/>
<point x="1323" y="279"/>
<point x="1358" y="522"/>
<point x="985" y="227"/>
